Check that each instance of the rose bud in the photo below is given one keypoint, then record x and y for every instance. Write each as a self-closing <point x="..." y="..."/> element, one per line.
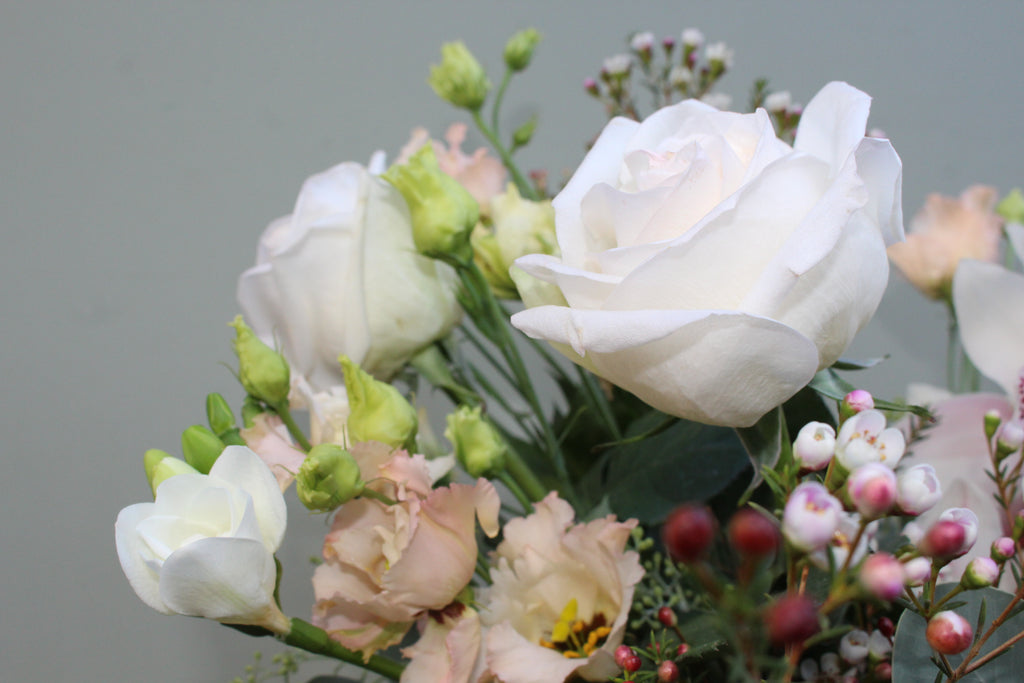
<point x="791" y="619"/>
<point x="1003" y="548"/>
<point x="982" y="572"/>
<point x="752" y="534"/>
<point x="918" y="489"/>
<point x="949" y="633"/>
<point x="688" y="532"/>
<point x="872" y="489"/>
<point x="811" y="516"/>
<point x="814" y="445"/>
<point x="883" y="576"/>
<point x="668" y="672"/>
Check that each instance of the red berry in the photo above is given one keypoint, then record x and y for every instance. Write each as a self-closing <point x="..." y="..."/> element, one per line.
<point x="887" y="628"/>
<point x="668" y="672"/>
<point x="682" y="649"/>
<point x="752" y="534"/>
<point x="883" y="672"/>
<point x="632" y="663"/>
<point x="688" y="532"/>
<point x="791" y="619"/>
<point x="622" y="652"/>
<point x="667" y="617"/>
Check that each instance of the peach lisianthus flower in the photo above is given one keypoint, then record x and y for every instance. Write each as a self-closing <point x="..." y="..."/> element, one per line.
<point x="268" y="438"/>
<point x="387" y="565"/>
<point x="481" y="174"/>
<point x="943" y="232"/>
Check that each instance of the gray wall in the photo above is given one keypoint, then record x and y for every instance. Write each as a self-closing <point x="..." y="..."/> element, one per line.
<point x="146" y="145"/>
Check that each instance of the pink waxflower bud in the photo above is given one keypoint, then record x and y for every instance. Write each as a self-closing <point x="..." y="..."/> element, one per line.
<point x="872" y="489"/>
<point x="668" y="672"/>
<point x="752" y="534"/>
<point x="668" y="43"/>
<point x="917" y="571"/>
<point x="791" y="619"/>
<point x="688" y="532"/>
<point x="982" y="572"/>
<point x="1003" y="548"/>
<point x="811" y="516"/>
<point x="918" y="489"/>
<point x="1009" y="438"/>
<point x="883" y="576"/>
<point x="949" y="633"/>
<point x="815" y="445"/>
<point x="864" y="438"/>
<point x="857" y="401"/>
<point x="992" y="421"/>
<point x="968" y="520"/>
<point x="943" y="540"/>
<point x="590" y="85"/>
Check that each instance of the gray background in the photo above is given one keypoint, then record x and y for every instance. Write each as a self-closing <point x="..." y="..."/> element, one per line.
<point x="146" y="145"/>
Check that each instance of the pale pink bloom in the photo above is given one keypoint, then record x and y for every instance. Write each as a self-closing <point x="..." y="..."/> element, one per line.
<point x="919" y="489"/>
<point x="544" y="563"/>
<point x="872" y="489"/>
<point x="917" y="570"/>
<point x="864" y="438"/>
<point x="481" y="174"/>
<point x="811" y="516"/>
<point x="269" y="439"/>
<point x="447" y="650"/>
<point x="815" y="445"/>
<point x="883" y="575"/>
<point x="385" y="566"/>
<point x="946" y="230"/>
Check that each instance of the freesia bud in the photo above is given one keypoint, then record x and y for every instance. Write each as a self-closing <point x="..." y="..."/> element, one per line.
<point x="872" y="488"/>
<point x="443" y="212"/>
<point x="263" y="372"/>
<point x="811" y="516"/>
<point x="519" y="49"/>
<point x="918" y="489"/>
<point x="1003" y="548"/>
<point x="161" y="466"/>
<point x="479" y="447"/>
<point x="814" y="445"/>
<point x="688" y="532"/>
<point x="883" y="576"/>
<point x="219" y="414"/>
<point x="791" y="619"/>
<point x="378" y="412"/>
<point x="917" y="571"/>
<point x="328" y="478"/>
<point x="201" y="447"/>
<point x="864" y="438"/>
<point x="459" y="79"/>
<point x="949" y="633"/>
<point x="982" y="572"/>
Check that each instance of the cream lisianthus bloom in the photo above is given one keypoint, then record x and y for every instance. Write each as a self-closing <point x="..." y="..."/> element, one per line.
<point x="560" y="597"/>
<point x="206" y="547"/>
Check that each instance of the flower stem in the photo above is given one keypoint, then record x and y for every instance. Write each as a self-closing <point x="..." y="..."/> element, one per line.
<point x="312" y="639"/>
<point x="293" y="428"/>
<point x="524" y="187"/>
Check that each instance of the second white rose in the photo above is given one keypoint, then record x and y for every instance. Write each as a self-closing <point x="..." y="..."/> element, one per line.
<point x="712" y="269"/>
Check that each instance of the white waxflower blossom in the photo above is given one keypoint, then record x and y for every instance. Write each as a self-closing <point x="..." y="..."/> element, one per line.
<point x="642" y="41"/>
<point x="719" y="52"/>
<point x="618" y="65"/>
<point x="693" y="37"/>
<point x="778" y="101"/>
<point x="680" y="76"/>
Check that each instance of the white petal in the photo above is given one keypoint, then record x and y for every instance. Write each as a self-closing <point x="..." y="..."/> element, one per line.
<point x="989" y="303"/>
<point x="881" y="169"/>
<point x="579" y="288"/>
<point x="833" y="123"/>
<point x="228" y="579"/>
<point x="1015" y="234"/>
<point x="242" y="468"/>
<point x="136" y="558"/>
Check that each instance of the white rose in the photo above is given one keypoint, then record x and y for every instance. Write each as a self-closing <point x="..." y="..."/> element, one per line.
<point x="341" y="276"/>
<point x="712" y="269"/>
<point x="206" y="546"/>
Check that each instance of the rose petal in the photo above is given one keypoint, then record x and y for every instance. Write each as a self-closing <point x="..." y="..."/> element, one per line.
<point x="881" y="170"/>
<point x="833" y="122"/>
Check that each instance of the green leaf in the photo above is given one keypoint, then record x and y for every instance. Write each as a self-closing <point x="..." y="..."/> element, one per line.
<point x="911" y="654"/>
<point x="828" y="383"/>
<point x="763" y="444"/>
<point x="852" y="364"/>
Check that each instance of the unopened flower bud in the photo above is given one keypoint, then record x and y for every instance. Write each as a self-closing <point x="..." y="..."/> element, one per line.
<point x="459" y="79"/>
<point x="811" y="517"/>
<point x="161" y="466"/>
<point x="872" y="489"/>
<point x="519" y="49"/>
<point x="752" y="534"/>
<point x="883" y="576"/>
<point x="519" y="227"/>
<point x="992" y="421"/>
<point x="688" y="532"/>
<point x="1003" y="548"/>
<point x="590" y="85"/>
<point x="263" y="372"/>
<point x="328" y="478"/>
<point x="982" y="572"/>
<point x="201" y="447"/>
<point x="886" y="627"/>
<point x="966" y="518"/>
<point x="853" y="646"/>
<point x="642" y="43"/>
<point x="814" y="445"/>
<point x="791" y="619"/>
<point x="377" y="411"/>
<point x="219" y="414"/>
<point x="917" y="571"/>
<point x="949" y="537"/>
<point x="680" y="77"/>
<point x="949" y="633"/>
<point x="668" y="672"/>
<point x="668" y="43"/>
<point x="1011" y="207"/>
<point x="918" y="489"/>
<point x="719" y="56"/>
<point x="857" y="401"/>
<point x="442" y="211"/>
<point x="1009" y="438"/>
<point x="883" y="671"/>
<point x="250" y="409"/>
<point x="479" y="447"/>
<point x="524" y="133"/>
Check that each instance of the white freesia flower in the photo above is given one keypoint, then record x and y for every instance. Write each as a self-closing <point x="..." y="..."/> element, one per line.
<point x="709" y="267"/>
<point x="341" y="275"/>
<point x="206" y="546"/>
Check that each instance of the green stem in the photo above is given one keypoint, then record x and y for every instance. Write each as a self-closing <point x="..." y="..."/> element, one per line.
<point x="524" y="187"/>
<point x="505" y="80"/>
<point x="513" y="486"/>
<point x="600" y="401"/>
<point x="312" y="639"/>
<point x="286" y="416"/>
<point x="367" y="492"/>
<point x="528" y="482"/>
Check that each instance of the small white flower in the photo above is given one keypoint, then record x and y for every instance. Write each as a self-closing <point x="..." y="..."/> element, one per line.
<point x="853" y="647"/>
<point x="719" y="52"/>
<point x="642" y="41"/>
<point x="680" y="76"/>
<point x="878" y="645"/>
<point x="919" y="489"/>
<point x="778" y="101"/>
<point x="618" y="65"/>
<point x="811" y="516"/>
<point x="718" y="100"/>
<point x="864" y="438"/>
<point x="692" y="37"/>
<point x="815" y="445"/>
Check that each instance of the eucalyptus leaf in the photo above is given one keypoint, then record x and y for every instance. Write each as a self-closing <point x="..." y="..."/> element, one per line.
<point x="911" y="655"/>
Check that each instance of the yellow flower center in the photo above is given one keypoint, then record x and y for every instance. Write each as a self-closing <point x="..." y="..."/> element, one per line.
<point x="575" y="638"/>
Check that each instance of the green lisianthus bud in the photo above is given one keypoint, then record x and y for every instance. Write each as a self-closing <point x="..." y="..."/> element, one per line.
<point x="377" y="411"/>
<point x="524" y="133"/>
<point x="443" y="213"/>
<point x="328" y="478"/>
<point x="201" y="447"/>
<point x="219" y="414"/>
<point x="1011" y="207"/>
<point x="250" y="409"/>
<point x="519" y="49"/>
<point x="459" y="79"/>
<point x="263" y="371"/>
<point x="479" y="447"/>
<point x="161" y="466"/>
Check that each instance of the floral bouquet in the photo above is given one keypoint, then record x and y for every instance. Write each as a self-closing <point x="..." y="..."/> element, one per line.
<point x="653" y="468"/>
